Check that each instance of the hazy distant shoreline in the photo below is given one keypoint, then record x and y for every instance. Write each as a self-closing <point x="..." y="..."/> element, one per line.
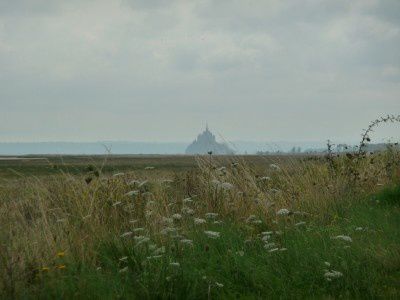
<point x="123" y="147"/>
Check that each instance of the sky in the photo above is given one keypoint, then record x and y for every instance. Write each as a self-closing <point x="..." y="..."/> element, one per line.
<point x="158" y="70"/>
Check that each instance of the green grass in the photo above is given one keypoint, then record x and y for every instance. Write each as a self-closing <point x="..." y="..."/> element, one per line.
<point x="75" y="164"/>
<point x="370" y="264"/>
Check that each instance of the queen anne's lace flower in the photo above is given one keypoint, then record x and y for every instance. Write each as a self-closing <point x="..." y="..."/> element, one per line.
<point x="211" y="215"/>
<point x="329" y="275"/>
<point x="176" y="216"/>
<point x="125" y="234"/>
<point x="283" y="212"/>
<point x="343" y="238"/>
<point x="212" y="234"/>
<point x="199" y="221"/>
<point x="187" y="242"/>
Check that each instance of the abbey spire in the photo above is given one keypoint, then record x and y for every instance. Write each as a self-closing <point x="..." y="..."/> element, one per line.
<point x="206" y="142"/>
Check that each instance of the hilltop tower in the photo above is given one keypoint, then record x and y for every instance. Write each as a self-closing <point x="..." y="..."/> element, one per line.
<point x="206" y="142"/>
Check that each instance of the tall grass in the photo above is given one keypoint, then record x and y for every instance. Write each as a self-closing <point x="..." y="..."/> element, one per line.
<point x="220" y="230"/>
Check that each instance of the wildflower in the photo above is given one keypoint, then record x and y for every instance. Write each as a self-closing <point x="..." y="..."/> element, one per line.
<point x="275" y="167"/>
<point x="187" y="200"/>
<point x="141" y="239"/>
<point x="212" y="234"/>
<point x="283" y="212"/>
<point x="301" y="213"/>
<point x="251" y="218"/>
<point x="45" y="269"/>
<point x="300" y="224"/>
<point x="343" y="238"/>
<point x="215" y="182"/>
<point x="265" y="238"/>
<point x="167" y="230"/>
<point x="269" y="245"/>
<point x="187" y="210"/>
<point x="187" y="242"/>
<point x="159" y="251"/>
<point x="329" y="275"/>
<point x="61" y="254"/>
<point x="167" y="220"/>
<point x="60" y="267"/>
<point x="199" y="221"/>
<point x="154" y="256"/>
<point x="175" y="264"/>
<point x="266" y="233"/>
<point x="220" y="285"/>
<point x="226" y="186"/>
<point x="211" y="215"/>
<point x="124" y="270"/>
<point x="116" y="203"/>
<point x="129" y="207"/>
<point x="125" y="234"/>
<point x="167" y="180"/>
<point x="176" y="216"/>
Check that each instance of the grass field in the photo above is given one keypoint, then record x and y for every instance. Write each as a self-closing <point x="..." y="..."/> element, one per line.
<point x="16" y="167"/>
<point x="200" y="228"/>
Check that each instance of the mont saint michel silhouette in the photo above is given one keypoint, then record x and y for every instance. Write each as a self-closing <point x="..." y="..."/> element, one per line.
<point x="206" y="142"/>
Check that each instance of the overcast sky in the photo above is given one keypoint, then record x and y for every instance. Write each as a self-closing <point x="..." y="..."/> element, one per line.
<point x="144" y="70"/>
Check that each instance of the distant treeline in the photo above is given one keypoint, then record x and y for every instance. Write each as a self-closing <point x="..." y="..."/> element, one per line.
<point x="340" y="148"/>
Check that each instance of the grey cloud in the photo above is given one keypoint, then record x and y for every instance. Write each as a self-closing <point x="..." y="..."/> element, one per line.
<point x="27" y="7"/>
<point x="255" y="69"/>
<point x="148" y="4"/>
<point x="388" y="10"/>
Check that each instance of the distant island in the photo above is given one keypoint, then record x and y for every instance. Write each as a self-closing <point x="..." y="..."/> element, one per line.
<point x="206" y="142"/>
